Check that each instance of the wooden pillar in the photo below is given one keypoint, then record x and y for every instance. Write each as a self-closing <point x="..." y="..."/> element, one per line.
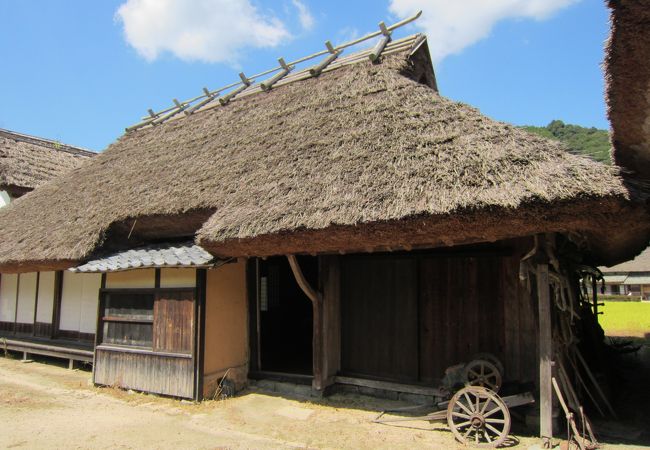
<point x="56" y="309"/>
<point x="331" y="286"/>
<point x="199" y="330"/>
<point x="545" y="356"/>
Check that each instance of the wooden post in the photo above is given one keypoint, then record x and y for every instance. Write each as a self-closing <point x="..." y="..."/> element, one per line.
<point x="199" y="330"/>
<point x="545" y="357"/>
<point x="331" y="286"/>
<point x="56" y="310"/>
<point x="594" y="291"/>
<point x="38" y="278"/>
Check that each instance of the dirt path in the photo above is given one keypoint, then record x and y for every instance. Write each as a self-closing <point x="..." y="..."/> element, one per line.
<point x="45" y="406"/>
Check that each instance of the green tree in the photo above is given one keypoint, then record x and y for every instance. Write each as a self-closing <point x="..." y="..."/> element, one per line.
<point x="592" y="141"/>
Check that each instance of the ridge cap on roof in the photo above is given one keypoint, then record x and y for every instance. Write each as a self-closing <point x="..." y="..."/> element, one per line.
<point x="43" y="142"/>
<point x="283" y="74"/>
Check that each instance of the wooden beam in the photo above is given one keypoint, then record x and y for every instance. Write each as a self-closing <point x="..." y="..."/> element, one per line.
<point x="310" y="292"/>
<point x="316" y="297"/>
<point x="545" y="356"/>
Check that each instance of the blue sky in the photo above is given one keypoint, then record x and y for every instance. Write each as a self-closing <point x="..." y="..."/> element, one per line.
<point x="77" y="72"/>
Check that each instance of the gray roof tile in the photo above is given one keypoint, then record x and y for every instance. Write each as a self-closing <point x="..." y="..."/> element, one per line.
<point x="185" y="254"/>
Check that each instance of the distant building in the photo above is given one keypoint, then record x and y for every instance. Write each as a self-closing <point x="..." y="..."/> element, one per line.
<point x="629" y="278"/>
<point x="26" y="162"/>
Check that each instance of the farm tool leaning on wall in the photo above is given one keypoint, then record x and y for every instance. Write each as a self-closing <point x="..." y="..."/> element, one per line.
<point x="475" y="414"/>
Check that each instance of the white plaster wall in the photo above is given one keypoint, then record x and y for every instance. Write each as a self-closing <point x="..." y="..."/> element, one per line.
<point x="131" y="279"/>
<point x="176" y="278"/>
<point x="45" y="297"/>
<point x="5" y="198"/>
<point x="8" y="284"/>
<point x="79" y="298"/>
<point x="26" y="298"/>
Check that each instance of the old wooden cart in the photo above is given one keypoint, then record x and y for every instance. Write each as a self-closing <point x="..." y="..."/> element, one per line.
<point x="475" y="413"/>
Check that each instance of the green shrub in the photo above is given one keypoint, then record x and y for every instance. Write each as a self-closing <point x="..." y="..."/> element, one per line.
<point x="620" y="298"/>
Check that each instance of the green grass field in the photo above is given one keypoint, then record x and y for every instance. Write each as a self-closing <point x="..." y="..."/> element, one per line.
<point x="626" y="319"/>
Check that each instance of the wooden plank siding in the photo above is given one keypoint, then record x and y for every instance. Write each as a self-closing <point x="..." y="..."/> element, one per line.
<point x="378" y="314"/>
<point x="406" y="317"/>
<point x="145" y="371"/>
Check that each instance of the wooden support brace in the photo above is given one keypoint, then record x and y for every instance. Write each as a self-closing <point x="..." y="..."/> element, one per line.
<point x="310" y="292"/>
<point x="180" y="107"/>
<point x="209" y="96"/>
<point x="245" y="83"/>
<point x="318" y="68"/>
<point x="317" y="332"/>
<point x="379" y="47"/>
<point x="268" y="84"/>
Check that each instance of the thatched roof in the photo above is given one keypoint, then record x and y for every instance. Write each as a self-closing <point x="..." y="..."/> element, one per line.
<point x="627" y="71"/>
<point x="365" y="157"/>
<point x="26" y="161"/>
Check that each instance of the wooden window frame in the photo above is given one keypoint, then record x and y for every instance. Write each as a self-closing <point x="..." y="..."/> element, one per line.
<point x="157" y="293"/>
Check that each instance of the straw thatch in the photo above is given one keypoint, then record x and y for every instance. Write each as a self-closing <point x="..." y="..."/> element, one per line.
<point x="26" y="162"/>
<point x="627" y="71"/>
<point x="362" y="158"/>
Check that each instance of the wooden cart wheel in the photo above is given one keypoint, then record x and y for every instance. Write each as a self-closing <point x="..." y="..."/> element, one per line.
<point x="480" y="372"/>
<point x="491" y="358"/>
<point x="478" y="417"/>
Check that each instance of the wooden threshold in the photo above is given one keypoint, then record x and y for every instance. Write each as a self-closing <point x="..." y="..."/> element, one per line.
<point x="390" y="386"/>
<point x="281" y="376"/>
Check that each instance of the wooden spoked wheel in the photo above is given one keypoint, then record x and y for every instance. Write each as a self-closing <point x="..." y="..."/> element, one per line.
<point x="478" y="417"/>
<point x="481" y="372"/>
<point x="491" y="358"/>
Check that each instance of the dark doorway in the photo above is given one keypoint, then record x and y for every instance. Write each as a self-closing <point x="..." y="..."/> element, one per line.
<point x="285" y="316"/>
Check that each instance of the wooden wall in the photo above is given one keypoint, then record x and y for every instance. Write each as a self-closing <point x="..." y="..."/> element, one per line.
<point x="164" y="362"/>
<point x="145" y="371"/>
<point x="407" y="317"/>
<point x="379" y="310"/>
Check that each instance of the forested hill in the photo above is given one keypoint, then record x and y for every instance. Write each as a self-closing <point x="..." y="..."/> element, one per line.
<point x="588" y="141"/>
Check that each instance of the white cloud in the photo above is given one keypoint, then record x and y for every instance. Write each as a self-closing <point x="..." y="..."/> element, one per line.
<point x="304" y="15"/>
<point x="198" y="30"/>
<point x="453" y="25"/>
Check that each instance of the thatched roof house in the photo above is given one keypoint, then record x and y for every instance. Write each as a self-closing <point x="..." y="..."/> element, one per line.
<point x="628" y="84"/>
<point x="366" y="157"/>
<point x="27" y="162"/>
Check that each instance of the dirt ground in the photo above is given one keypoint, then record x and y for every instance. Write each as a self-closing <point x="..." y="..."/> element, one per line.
<point x="43" y="405"/>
